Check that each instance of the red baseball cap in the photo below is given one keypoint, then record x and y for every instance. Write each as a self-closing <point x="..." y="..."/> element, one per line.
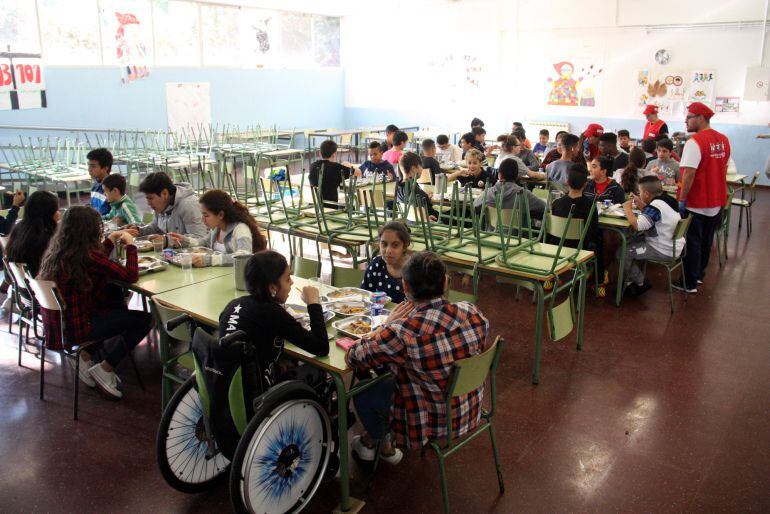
<point x="594" y="129"/>
<point x="700" y="109"/>
<point x="650" y="109"/>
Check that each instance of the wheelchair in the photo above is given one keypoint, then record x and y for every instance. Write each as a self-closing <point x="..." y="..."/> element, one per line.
<point x="277" y="442"/>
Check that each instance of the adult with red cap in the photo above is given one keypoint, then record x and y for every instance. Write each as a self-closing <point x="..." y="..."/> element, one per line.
<point x="589" y="141"/>
<point x="655" y="126"/>
<point x="704" y="191"/>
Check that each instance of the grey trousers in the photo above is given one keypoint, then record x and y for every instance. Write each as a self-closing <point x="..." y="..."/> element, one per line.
<point x="639" y="250"/>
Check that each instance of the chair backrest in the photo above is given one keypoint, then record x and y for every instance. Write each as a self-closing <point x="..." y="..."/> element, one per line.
<point x="4" y="241"/>
<point x="424" y="177"/>
<point x="681" y="228"/>
<point x="541" y="193"/>
<point x="45" y="294"/>
<point x="18" y="274"/>
<point x="470" y="373"/>
<point x="163" y="314"/>
<point x="753" y="188"/>
<point x="455" y="296"/>
<point x="506" y="216"/>
<point x="556" y="226"/>
<point x="305" y="268"/>
<point x="347" y="277"/>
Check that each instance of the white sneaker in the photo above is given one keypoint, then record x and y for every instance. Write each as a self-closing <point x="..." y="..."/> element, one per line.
<point x="6" y="306"/>
<point x="367" y="454"/>
<point x="106" y="380"/>
<point x="84" y="373"/>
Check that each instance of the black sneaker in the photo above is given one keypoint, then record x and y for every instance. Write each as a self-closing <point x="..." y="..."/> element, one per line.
<point x="679" y="286"/>
<point x="646" y="286"/>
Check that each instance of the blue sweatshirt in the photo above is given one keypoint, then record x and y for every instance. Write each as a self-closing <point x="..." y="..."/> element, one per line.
<point x="99" y="199"/>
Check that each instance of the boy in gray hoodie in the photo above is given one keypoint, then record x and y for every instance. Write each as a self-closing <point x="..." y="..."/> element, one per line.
<point x="175" y="207"/>
<point x="507" y="175"/>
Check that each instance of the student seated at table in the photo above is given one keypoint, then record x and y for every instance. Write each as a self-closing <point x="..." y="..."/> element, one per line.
<point x="509" y="147"/>
<point x="389" y="131"/>
<point x="522" y="135"/>
<point x="410" y="170"/>
<point x="648" y="146"/>
<point x="480" y="136"/>
<point x="385" y="270"/>
<point x="264" y="319"/>
<point x="327" y="174"/>
<point x="30" y="237"/>
<point x="556" y="172"/>
<point x="661" y="137"/>
<point x="397" y="150"/>
<point x="580" y="202"/>
<point x="467" y="143"/>
<point x="589" y="141"/>
<point x="629" y="176"/>
<point x="99" y="166"/>
<point x="664" y="167"/>
<point x="553" y="154"/>
<point x="601" y="187"/>
<point x="79" y="263"/>
<point x="122" y="208"/>
<point x="376" y="166"/>
<point x="506" y="181"/>
<point x="624" y="140"/>
<point x="447" y="152"/>
<point x="476" y="174"/>
<point x="174" y="205"/>
<point x="418" y="344"/>
<point x="429" y="159"/>
<point x="608" y="145"/>
<point x="476" y="122"/>
<point x="655" y="225"/>
<point x="232" y="230"/>
<point x="525" y="154"/>
<point x="542" y="145"/>
<point x="7" y="222"/>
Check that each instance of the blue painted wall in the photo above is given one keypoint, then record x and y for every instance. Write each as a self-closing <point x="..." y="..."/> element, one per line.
<point x="750" y="154"/>
<point x="94" y="97"/>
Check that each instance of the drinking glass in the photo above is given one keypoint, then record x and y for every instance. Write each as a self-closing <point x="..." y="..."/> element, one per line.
<point x="185" y="261"/>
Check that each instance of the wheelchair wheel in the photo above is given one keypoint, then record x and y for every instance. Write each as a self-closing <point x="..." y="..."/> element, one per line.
<point x="182" y="446"/>
<point x="283" y="454"/>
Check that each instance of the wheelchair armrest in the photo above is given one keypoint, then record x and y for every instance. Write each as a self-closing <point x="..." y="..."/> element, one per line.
<point x="237" y="336"/>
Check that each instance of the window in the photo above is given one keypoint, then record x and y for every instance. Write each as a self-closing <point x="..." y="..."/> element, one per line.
<point x="126" y="32"/>
<point x="326" y="40"/>
<point x="176" y="34"/>
<point x="18" y="27"/>
<point x="296" y="40"/>
<point x="221" y="35"/>
<point x="70" y="31"/>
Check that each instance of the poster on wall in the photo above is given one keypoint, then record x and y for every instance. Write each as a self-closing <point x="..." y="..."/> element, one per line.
<point x="260" y="31"/>
<point x="127" y="36"/>
<point x="22" y="82"/>
<point x="701" y="86"/>
<point x="757" y="86"/>
<point x="574" y="83"/>
<point x="667" y="89"/>
<point x="727" y="104"/>
<point x="188" y="105"/>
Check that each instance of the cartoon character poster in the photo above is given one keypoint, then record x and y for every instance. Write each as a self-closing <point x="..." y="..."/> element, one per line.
<point x="575" y="83"/>
<point x="702" y="86"/>
<point x="127" y="38"/>
<point x="671" y="90"/>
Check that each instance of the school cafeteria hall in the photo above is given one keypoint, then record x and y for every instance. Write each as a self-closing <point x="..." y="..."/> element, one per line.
<point x="346" y="256"/>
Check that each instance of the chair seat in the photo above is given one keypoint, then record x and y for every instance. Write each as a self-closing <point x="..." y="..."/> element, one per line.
<point x="186" y="360"/>
<point x="741" y="203"/>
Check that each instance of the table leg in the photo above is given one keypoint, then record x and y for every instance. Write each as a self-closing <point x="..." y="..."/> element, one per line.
<point x="581" y="306"/>
<point x="342" y="434"/>
<point x="621" y="265"/>
<point x="538" y="287"/>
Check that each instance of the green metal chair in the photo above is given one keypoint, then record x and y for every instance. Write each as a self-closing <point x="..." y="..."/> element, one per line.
<point x="680" y="232"/>
<point x="347" y="277"/>
<point x="455" y="296"/>
<point x="305" y="268"/>
<point x="744" y="203"/>
<point x="467" y="376"/>
<point x="162" y="314"/>
<point x="723" y="230"/>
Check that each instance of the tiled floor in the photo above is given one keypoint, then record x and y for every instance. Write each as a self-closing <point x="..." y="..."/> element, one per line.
<point x="658" y="413"/>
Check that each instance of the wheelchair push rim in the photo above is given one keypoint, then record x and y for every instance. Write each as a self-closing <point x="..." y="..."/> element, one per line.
<point x="286" y="459"/>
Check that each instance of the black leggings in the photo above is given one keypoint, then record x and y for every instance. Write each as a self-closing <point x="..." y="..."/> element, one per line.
<point x="132" y="325"/>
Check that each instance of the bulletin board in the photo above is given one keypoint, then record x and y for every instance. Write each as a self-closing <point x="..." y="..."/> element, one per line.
<point x="22" y="81"/>
<point x="188" y="104"/>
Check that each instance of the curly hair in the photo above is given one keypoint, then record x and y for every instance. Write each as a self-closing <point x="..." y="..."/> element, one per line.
<point x="69" y="253"/>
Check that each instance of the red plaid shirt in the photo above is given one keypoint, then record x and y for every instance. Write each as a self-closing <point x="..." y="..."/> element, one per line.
<point x="81" y="304"/>
<point x="420" y="351"/>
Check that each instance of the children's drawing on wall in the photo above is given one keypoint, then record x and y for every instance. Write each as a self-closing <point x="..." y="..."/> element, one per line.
<point x="130" y="49"/>
<point x="664" y="89"/>
<point x="263" y="38"/>
<point x="461" y="76"/>
<point x="702" y="86"/>
<point x="473" y="70"/>
<point x="259" y="37"/>
<point x="575" y="84"/>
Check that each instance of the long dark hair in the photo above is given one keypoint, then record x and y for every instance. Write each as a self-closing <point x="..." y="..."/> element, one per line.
<point x="30" y="237"/>
<point x="69" y="254"/>
<point x="629" y="177"/>
<point x="216" y="201"/>
<point x="263" y="269"/>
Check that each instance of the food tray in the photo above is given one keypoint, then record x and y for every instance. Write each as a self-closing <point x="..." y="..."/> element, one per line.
<point x="349" y="308"/>
<point x="151" y="265"/>
<point x="348" y="293"/>
<point x="143" y="245"/>
<point x="344" y="326"/>
<point x="299" y="312"/>
<point x="201" y="250"/>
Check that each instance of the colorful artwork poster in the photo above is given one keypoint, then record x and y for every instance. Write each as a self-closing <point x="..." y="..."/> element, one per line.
<point x="702" y="86"/>
<point x="574" y="83"/>
<point x="663" y="88"/>
<point x="22" y="82"/>
<point x="127" y="37"/>
<point x="727" y="104"/>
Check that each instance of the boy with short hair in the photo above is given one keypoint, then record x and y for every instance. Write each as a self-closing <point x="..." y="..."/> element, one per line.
<point x="648" y="145"/>
<point x="375" y="166"/>
<point x="542" y="145"/>
<point x="517" y="129"/>
<point x="557" y="171"/>
<point x="333" y="174"/>
<point x="476" y="122"/>
<point x="577" y="178"/>
<point x="665" y="167"/>
<point x="99" y="166"/>
<point x="122" y="208"/>
<point x="389" y="131"/>
<point x="656" y="225"/>
<point x="479" y="135"/>
<point x="608" y="145"/>
<point x="624" y="140"/>
<point x="447" y="152"/>
<point x="467" y="142"/>
<point x="525" y="154"/>
<point x="429" y="159"/>
<point x="507" y="176"/>
<point x="397" y="150"/>
<point x="411" y="168"/>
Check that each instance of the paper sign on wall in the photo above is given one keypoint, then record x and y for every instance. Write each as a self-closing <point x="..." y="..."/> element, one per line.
<point x="727" y="104"/>
<point x="188" y="105"/>
<point x="22" y="82"/>
<point x="757" y="87"/>
<point x="702" y="87"/>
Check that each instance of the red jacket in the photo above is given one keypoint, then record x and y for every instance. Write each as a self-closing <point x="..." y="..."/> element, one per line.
<point x="81" y="304"/>
<point x="709" y="189"/>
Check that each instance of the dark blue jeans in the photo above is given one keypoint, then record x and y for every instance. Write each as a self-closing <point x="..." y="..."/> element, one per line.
<point x="373" y="407"/>
<point x="133" y="326"/>
<point x="700" y="239"/>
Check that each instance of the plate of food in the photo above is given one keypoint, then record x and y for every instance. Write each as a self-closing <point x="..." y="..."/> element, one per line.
<point x="196" y="250"/>
<point x="354" y="326"/>
<point x="143" y="244"/>
<point x="150" y="264"/>
<point x="349" y="292"/>
<point x="349" y="308"/>
<point x="299" y="312"/>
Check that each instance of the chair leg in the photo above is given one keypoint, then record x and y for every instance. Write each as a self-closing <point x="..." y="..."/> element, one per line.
<point x="42" y="368"/>
<point x="740" y="217"/>
<point x="77" y="384"/>
<point x="136" y="369"/>
<point x="19" y="346"/>
<point x="748" y="221"/>
<point x="670" y="290"/>
<point x="442" y="472"/>
<point x="498" y="466"/>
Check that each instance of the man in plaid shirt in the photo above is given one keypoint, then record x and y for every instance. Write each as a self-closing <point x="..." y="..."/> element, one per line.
<point x="419" y="344"/>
